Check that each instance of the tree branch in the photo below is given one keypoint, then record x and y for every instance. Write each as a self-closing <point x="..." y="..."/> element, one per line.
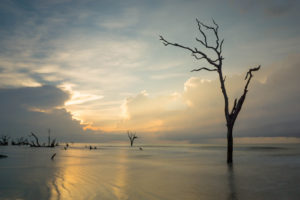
<point x="214" y="29"/>
<point x="234" y="106"/>
<point x="238" y="106"/>
<point x="204" y="43"/>
<point x="198" y="58"/>
<point x="202" y="33"/>
<point x="194" y="51"/>
<point x="216" y="63"/>
<point x="204" y="68"/>
<point x="36" y="139"/>
<point x="252" y="70"/>
<point x="221" y="46"/>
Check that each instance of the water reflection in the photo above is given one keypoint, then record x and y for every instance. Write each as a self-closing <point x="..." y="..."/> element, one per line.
<point x="25" y="172"/>
<point x="66" y="177"/>
<point x="73" y="179"/>
<point x="130" y="174"/>
<point x="87" y="174"/>
<point x="232" y="195"/>
<point x="121" y="177"/>
<point x="155" y="173"/>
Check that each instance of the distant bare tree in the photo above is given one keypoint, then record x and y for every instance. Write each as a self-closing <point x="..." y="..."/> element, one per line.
<point x="3" y="156"/>
<point x="52" y="157"/>
<point x="49" y="132"/>
<point x="36" y="143"/>
<point x="20" y="141"/>
<point x="4" y="140"/>
<point x="216" y="66"/>
<point x="132" y="137"/>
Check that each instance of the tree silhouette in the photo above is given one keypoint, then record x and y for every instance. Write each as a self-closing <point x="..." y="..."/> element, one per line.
<point x="216" y="66"/>
<point x="4" y="140"/>
<point x="51" y="143"/>
<point x="131" y="137"/>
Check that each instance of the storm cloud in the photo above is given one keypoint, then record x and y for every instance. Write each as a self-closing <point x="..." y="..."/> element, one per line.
<point x="35" y="109"/>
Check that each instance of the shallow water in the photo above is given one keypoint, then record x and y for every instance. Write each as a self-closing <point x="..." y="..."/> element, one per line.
<point x="157" y="172"/>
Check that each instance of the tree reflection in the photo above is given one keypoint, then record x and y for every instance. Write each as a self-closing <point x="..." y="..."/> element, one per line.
<point x="232" y="195"/>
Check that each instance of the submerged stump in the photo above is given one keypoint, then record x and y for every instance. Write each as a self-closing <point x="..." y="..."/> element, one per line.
<point x="3" y="156"/>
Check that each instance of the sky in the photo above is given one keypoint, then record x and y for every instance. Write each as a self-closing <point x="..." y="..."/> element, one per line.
<point x="91" y="70"/>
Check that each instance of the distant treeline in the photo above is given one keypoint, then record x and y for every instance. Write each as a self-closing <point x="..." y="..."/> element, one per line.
<point x="32" y="140"/>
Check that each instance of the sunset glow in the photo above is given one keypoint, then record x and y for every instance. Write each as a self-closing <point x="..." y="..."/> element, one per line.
<point x="109" y="73"/>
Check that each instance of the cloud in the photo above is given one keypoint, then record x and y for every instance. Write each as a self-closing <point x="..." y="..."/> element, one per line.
<point x="37" y="109"/>
<point x="166" y="76"/>
<point x="273" y="8"/>
<point x="108" y="50"/>
<point x="127" y="19"/>
<point x="194" y="114"/>
<point x="271" y="108"/>
<point x="40" y="97"/>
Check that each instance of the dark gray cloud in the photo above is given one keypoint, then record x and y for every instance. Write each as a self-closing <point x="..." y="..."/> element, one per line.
<point x="44" y="97"/>
<point x="36" y="109"/>
<point x="268" y="7"/>
<point x="105" y="48"/>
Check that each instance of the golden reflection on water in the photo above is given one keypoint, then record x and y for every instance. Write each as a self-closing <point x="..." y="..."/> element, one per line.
<point x="84" y="174"/>
<point x="121" y="177"/>
<point x="63" y="186"/>
<point x="169" y="173"/>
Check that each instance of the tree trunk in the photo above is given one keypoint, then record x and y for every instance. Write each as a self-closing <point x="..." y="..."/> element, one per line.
<point x="216" y="66"/>
<point x="131" y="142"/>
<point x="229" y="144"/>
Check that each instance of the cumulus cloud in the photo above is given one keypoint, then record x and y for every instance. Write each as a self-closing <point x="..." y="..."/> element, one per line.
<point x="271" y="107"/>
<point x="148" y="114"/>
<point x="106" y="51"/>
<point x="195" y="114"/>
<point x="36" y="109"/>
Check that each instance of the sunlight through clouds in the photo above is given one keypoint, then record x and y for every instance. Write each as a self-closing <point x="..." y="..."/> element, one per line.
<point x="107" y="58"/>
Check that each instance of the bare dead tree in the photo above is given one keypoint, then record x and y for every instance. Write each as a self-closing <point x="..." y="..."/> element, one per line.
<point x="20" y="141"/>
<point x="4" y="140"/>
<point x="49" y="132"/>
<point x="132" y="137"/>
<point x="36" y="144"/>
<point x="3" y="156"/>
<point x="53" y="143"/>
<point x="216" y="66"/>
<point x="52" y="157"/>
